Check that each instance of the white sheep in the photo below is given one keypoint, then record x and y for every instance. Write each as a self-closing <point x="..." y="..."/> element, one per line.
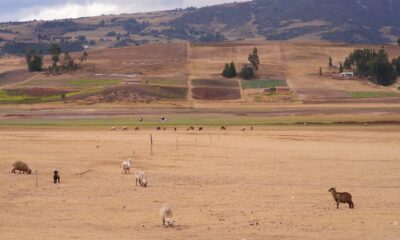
<point x="141" y="178"/>
<point x="126" y="165"/>
<point x="166" y="215"/>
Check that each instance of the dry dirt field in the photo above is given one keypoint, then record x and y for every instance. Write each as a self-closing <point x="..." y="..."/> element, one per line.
<point x="271" y="183"/>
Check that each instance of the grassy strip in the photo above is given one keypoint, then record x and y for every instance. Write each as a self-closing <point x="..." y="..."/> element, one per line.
<point x="195" y="120"/>
<point x="373" y="94"/>
<point x="263" y="83"/>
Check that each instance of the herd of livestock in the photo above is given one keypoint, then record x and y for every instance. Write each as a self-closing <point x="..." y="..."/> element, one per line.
<point x="166" y="213"/>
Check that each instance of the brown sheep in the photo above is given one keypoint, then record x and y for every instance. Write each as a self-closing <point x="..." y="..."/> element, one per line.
<point x="191" y="128"/>
<point x="223" y="128"/>
<point x="200" y="128"/>
<point x="125" y="129"/>
<point x="21" y="166"/>
<point x="158" y="128"/>
<point x="137" y="128"/>
<point x="341" y="197"/>
<point x="56" y="177"/>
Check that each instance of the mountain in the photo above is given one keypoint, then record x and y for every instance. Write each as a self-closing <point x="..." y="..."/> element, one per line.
<point x="348" y="21"/>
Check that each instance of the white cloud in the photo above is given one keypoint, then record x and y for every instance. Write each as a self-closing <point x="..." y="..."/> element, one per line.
<point x="73" y="11"/>
<point x="50" y="9"/>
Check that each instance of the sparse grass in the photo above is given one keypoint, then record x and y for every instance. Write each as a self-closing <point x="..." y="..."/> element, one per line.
<point x="92" y="82"/>
<point x="215" y="83"/>
<point x="72" y="83"/>
<point x="7" y="98"/>
<point x="178" y="81"/>
<point x="373" y="94"/>
<point x="263" y="83"/>
<point x="183" y="121"/>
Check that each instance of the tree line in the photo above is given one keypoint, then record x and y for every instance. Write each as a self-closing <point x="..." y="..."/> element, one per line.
<point x="67" y="63"/>
<point x="375" y="65"/>
<point x="248" y="71"/>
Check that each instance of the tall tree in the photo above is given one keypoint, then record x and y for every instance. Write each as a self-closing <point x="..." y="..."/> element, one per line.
<point x="396" y="65"/>
<point x="55" y="52"/>
<point x="381" y="70"/>
<point x="254" y="59"/>
<point x="34" y="61"/>
<point x="341" y="68"/>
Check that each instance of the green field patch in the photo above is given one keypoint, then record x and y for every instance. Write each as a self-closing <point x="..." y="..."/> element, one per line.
<point x="182" y="121"/>
<point x="36" y="95"/>
<point x="72" y="83"/>
<point x="263" y="83"/>
<point x="215" y="83"/>
<point x="373" y="94"/>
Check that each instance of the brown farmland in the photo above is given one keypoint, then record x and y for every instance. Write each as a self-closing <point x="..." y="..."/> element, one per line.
<point x="271" y="183"/>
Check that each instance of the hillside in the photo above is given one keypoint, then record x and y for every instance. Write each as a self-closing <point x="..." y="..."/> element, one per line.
<point x="354" y="21"/>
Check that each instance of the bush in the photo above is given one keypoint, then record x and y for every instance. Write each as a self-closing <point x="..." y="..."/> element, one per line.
<point x="247" y="72"/>
<point x="34" y="61"/>
<point x="396" y="65"/>
<point x="382" y="72"/>
<point x="229" y="70"/>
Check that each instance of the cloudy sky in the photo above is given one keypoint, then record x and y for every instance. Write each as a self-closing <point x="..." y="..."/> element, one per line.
<point x="21" y="10"/>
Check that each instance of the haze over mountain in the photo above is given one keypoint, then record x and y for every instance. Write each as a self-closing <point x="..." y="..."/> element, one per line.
<point x="348" y="21"/>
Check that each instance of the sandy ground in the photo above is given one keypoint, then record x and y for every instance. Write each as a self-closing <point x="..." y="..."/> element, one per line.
<point x="271" y="183"/>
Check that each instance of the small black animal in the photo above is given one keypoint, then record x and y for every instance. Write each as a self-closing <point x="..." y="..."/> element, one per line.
<point x="56" y="177"/>
<point x="341" y="197"/>
<point x="223" y="128"/>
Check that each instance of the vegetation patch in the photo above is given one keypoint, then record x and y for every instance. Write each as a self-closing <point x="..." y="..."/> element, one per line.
<point x="215" y="83"/>
<point x="73" y="83"/>
<point x="373" y="94"/>
<point x="145" y="93"/>
<point x="263" y="83"/>
<point x="31" y="95"/>
<point x="84" y="83"/>
<point x="204" y="93"/>
<point x="173" y="81"/>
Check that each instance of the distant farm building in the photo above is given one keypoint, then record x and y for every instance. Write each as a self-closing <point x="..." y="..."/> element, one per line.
<point x="346" y="75"/>
<point x="277" y="90"/>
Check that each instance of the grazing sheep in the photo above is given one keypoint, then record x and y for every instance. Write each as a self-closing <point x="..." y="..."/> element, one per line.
<point x="163" y="119"/>
<point x="251" y="128"/>
<point x="56" y="177"/>
<point x="125" y="129"/>
<point x="164" y="129"/>
<point x="191" y="128"/>
<point x="126" y="165"/>
<point x="175" y="129"/>
<point x="166" y="215"/>
<point x="243" y="129"/>
<point x="341" y="197"/>
<point x="141" y="178"/>
<point x="200" y="128"/>
<point x="158" y="128"/>
<point x="137" y="129"/>
<point x="113" y="129"/>
<point x="21" y="167"/>
<point x="223" y="128"/>
<point x="140" y="119"/>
